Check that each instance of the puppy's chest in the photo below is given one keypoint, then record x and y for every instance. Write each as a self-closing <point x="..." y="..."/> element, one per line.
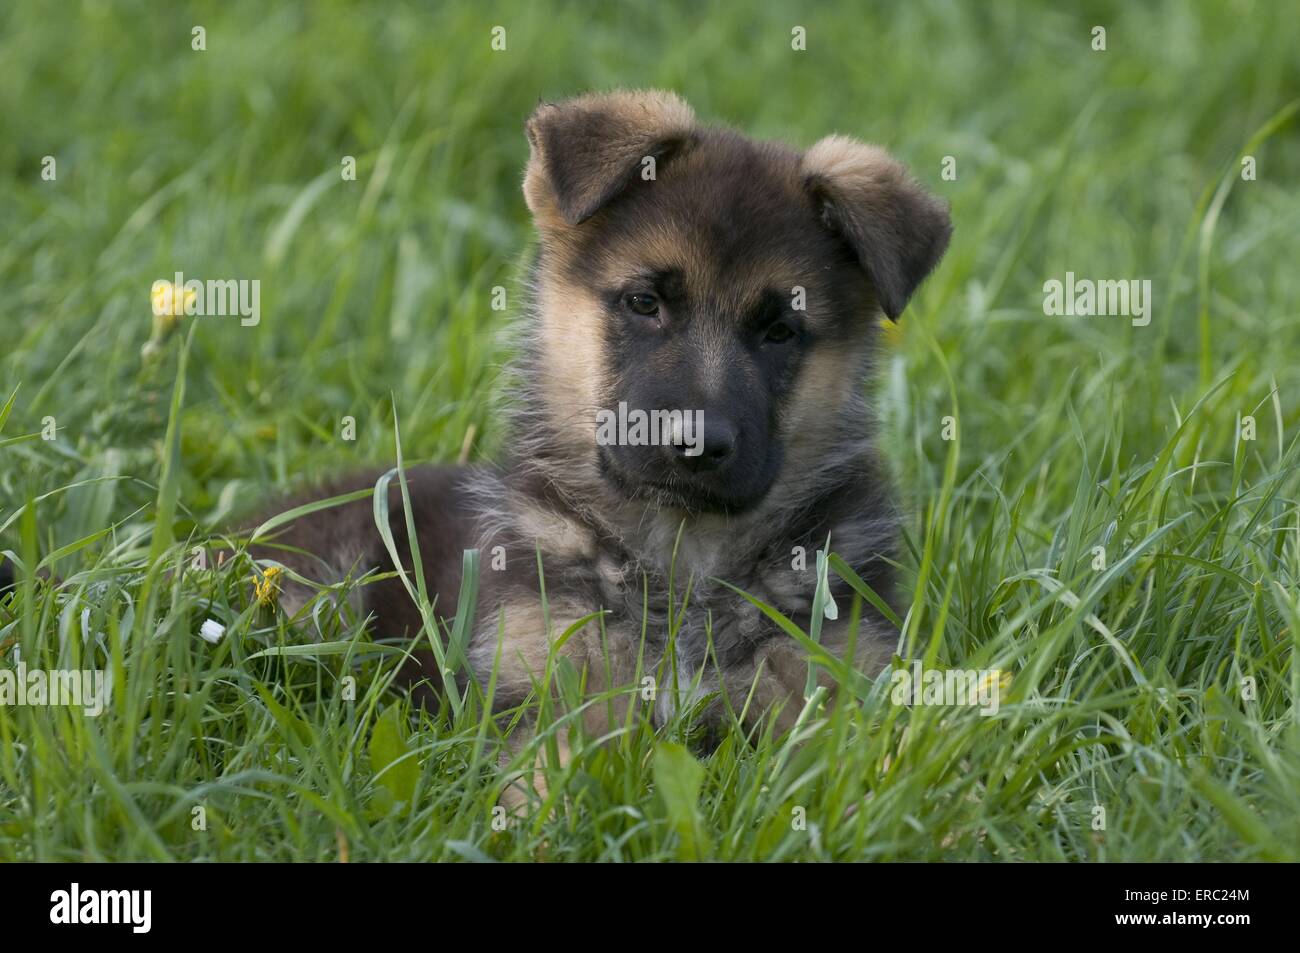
<point x="684" y="601"/>
<point x="661" y="580"/>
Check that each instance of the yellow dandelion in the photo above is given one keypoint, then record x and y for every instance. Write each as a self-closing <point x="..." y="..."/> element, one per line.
<point x="265" y="588"/>
<point x="171" y="302"/>
<point x="996" y="676"/>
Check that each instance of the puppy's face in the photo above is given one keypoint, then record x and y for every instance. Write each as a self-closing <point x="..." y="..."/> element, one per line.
<point x="707" y="301"/>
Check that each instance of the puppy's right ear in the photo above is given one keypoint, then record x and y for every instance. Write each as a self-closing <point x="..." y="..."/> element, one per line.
<point x="587" y="150"/>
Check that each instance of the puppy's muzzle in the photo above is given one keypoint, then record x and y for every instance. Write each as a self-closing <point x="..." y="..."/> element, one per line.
<point x="716" y="448"/>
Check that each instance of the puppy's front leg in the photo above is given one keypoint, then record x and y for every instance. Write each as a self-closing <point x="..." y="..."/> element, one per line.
<point x="777" y="675"/>
<point x="517" y="647"/>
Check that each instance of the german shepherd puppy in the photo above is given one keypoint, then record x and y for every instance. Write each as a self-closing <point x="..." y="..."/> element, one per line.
<point x="687" y="268"/>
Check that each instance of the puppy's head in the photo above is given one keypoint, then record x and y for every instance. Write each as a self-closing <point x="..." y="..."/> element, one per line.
<point x="689" y="269"/>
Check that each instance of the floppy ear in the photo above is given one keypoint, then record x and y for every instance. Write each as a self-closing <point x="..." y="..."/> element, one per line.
<point x="898" y="230"/>
<point x="587" y="150"/>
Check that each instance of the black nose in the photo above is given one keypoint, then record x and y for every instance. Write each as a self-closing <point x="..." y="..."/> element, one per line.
<point x="710" y="451"/>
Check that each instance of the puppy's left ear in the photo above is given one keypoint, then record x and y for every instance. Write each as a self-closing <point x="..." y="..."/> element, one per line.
<point x="898" y="230"/>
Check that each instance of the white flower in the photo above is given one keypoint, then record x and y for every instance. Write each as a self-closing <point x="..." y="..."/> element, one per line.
<point x="212" y="631"/>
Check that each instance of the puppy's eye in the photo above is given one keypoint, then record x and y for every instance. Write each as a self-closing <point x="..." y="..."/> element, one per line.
<point x="778" y="333"/>
<point x="643" y="304"/>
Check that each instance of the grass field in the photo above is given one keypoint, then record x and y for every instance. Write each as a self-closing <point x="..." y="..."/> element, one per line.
<point x="1152" y="710"/>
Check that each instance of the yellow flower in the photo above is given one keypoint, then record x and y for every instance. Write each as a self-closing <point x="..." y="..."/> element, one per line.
<point x="890" y="333"/>
<point x="171" y="302"/>
<point x="998" y="677"/>
<point x="265" y="588"/>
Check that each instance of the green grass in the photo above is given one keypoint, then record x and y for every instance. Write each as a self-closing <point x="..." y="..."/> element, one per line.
<point x="1073" y="432"/>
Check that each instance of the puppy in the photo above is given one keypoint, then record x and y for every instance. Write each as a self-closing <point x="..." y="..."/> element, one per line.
<point x="728" y="290"/>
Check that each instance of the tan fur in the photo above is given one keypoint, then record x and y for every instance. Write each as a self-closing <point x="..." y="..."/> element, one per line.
<point x="574" y="368"/>
<point x="559" y="535"/>
<point x="860" y="167"/>
<point x="516" y="641"/>
<point x="829" y="384"/>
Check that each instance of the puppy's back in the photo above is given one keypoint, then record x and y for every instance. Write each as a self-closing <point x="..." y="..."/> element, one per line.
<point x="343" y="541"/>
